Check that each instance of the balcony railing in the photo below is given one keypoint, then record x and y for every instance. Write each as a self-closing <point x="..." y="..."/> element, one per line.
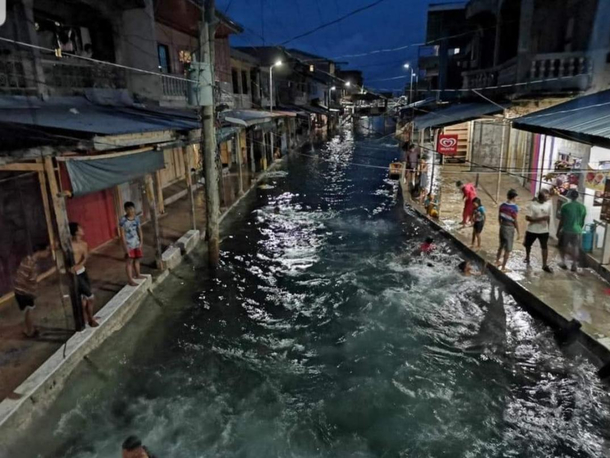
<point x="545" y="72"/>
<point x="16" y="75"/>
<point x="175" y="88"/>
<point x="68" y="77"/>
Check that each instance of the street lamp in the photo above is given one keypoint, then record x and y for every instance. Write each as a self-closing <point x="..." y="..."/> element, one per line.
<point x="408" y="67"/>
<point x="277" y="64"/>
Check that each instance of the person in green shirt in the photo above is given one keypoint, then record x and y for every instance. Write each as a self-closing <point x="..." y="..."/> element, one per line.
<point x="570" y="229"/>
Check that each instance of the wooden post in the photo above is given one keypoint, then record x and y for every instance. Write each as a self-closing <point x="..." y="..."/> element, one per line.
<point x="240" y="169"/>
<point x="272" y="146"/>
<point x="47" y="212"/>
<point x="189" y="186"/>
<point x="149" y="191"/>
<point x="159" y="189"/>
<point x="252" y="161"/>
<point x="264" y="155"/>
<point x="65" y="240"/>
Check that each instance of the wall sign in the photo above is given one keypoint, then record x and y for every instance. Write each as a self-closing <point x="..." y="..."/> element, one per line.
<point x="447" y="144"/>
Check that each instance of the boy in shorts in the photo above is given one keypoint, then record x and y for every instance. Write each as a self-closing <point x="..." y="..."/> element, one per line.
<point x="83" y="284"/>
<point x="26" y="286"/>
<point x="509" y="224"/>
<point x="131" y="237"/>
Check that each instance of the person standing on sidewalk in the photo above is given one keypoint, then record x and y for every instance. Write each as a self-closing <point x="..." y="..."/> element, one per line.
<point x="479" y="222"/>
<point x="507" y="216"/>
<point x="469" y="193"/>
<point x="131" y="236"/>
<point x="26" y="286"/>
<point x="83" y="284"/>
<point x="570" y="228"/>
<point x="538" y="228"/>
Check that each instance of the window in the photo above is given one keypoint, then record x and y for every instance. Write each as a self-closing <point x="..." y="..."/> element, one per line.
<point x="235" y="81"/>
<point x="163" y="52"/>
<point x="244" y="81"/>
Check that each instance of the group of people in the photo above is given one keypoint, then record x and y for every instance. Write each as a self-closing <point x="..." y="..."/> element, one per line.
<point x="27" y="276"/>
<point x="571" y="223"/>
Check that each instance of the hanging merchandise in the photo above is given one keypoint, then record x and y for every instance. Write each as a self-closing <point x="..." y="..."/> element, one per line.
<point x="562" y="179"/>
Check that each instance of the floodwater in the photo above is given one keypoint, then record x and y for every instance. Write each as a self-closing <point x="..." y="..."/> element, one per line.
<point x="325" y="335"/>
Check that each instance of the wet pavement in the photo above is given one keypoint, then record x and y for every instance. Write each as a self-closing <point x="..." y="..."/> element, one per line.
<point x="324" y="333"/>
<point x="583" y="296"/>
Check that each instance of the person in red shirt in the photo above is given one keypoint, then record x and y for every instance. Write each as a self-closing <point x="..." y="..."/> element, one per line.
<point x="469" y="193"/>
<point x="428" y="246"/>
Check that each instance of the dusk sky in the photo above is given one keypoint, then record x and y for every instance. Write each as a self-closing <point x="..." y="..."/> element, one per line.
<point x="390" y="24"/>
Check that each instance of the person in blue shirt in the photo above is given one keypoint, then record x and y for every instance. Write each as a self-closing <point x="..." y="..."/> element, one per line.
<point x="478" y="217"/>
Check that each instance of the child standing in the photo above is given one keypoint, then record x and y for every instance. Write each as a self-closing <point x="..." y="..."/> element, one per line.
<point x="478" y="217"/>
<point x="509" y="224"/>
<point x="131" y="236"/>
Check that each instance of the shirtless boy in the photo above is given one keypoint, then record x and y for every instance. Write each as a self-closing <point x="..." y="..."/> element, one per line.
<point x="83" y="285"/>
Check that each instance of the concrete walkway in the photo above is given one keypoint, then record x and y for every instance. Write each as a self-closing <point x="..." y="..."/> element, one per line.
<point x="583" y="296"/>
<point x="20" y="357"/>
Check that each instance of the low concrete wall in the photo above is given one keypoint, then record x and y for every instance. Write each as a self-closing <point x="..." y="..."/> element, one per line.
<point x="41" y="388"/>
<point x="529" y="301"/>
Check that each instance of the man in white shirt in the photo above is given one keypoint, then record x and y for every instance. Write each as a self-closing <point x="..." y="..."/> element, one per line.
<point x="538" y="228"/>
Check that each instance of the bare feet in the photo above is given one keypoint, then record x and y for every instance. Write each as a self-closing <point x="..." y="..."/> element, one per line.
<point x="14" y="396"/>
<point x="141" y="277"/>
<point x="93" y="324"/>
<point x="132" y="283"/>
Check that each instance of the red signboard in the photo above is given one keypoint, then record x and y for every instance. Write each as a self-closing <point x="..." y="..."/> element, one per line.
<point x="447" y="144"/>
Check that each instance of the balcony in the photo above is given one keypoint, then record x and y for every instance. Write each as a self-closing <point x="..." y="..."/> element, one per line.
<point x="174" y="88"/>
<point x="65" y="77"/>
<point x="548" y="73"/>
<point x="13" y="77"/>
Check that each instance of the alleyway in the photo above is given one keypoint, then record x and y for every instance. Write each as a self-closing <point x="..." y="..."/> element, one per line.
<point x="583" y="296"/>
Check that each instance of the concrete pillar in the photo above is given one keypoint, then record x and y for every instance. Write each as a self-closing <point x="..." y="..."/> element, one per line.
<point x="252" y="161"/>
<point x="240" y="169"/>
<point x="189" y="187"/>
<point x="524" y="49"/>
<point x="598" y="47"/>
<point x="139" y="49"/>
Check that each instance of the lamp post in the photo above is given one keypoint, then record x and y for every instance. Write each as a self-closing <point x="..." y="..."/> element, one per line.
<point x="407" y="66"/>
<point x="277" y="64"/>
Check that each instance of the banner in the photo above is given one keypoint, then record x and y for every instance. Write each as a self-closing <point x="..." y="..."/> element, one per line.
<point x="447" y="144"/>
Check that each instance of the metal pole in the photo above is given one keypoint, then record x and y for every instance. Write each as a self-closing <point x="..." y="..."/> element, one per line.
<point x="271" y="88"/>
<point x="411" y="89"/>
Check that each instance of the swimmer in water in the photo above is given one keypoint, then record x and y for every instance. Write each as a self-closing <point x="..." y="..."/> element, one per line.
<point x="466" y="268"/>
<point x="428" y="246"/>
<point x="276" y="209"/>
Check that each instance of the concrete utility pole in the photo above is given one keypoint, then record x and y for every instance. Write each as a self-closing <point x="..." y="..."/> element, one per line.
<point x="208" y="142"/>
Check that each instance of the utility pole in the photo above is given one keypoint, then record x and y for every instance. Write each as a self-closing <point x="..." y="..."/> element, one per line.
<point x="208" y="142"/>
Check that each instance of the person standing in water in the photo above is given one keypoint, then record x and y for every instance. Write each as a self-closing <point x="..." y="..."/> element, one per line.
<point x="83" y="285"/>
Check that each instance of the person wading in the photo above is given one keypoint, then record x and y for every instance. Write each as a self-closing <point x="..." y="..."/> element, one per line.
<point x="538" y="228"/>
<point x="570" y="228"/>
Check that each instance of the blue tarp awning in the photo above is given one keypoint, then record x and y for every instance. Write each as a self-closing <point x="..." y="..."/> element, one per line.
<point x="586" y="118"/>
<point x="93" y="173"/>
<point x="226" y="133"/>
<point x="88" y="119"/>
<point x="456" y="114"/>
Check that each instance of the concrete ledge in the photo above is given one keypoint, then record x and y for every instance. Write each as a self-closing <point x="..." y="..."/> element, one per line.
<point x="41" y="388"/>
<point x="188" y="241"/>
<point x="599" y="348"/>
<point x="171" y="257"/>
<point x="179" y="195"/>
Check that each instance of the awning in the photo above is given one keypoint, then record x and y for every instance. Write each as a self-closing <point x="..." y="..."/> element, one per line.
<point x="586" y="118"/>
<point x="226" y="133"/>
<point x="456" y="114"/>
<point x="247" y="118"/>
<point x="93" y="173"/>
<point x="419" y="103"/>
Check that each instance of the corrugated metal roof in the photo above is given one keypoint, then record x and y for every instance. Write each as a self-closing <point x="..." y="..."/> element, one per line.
<point x="77" y="114"/>
<point x="587" y="117"/>
<point x="456" y="114"/>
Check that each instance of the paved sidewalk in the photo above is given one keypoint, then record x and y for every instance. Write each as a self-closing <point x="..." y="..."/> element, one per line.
<point x="20" y="357"/>
<point x="582" y="296"/>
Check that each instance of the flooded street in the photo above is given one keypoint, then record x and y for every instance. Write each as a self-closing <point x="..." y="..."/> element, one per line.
<point x="324" y="335"/>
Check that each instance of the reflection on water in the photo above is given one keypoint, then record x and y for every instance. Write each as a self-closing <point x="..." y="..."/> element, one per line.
<point x="324" y="336"/>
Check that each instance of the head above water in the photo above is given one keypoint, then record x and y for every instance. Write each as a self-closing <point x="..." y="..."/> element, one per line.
<point x="133" y="448"/>
<point x="464" y="266"/>
<point x="511" y="194"/>
<point x="573" y="194"/>
<point x="429" y="240"/>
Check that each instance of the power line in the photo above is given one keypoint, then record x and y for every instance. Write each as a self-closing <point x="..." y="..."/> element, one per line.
<point x="335" y="21"/>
